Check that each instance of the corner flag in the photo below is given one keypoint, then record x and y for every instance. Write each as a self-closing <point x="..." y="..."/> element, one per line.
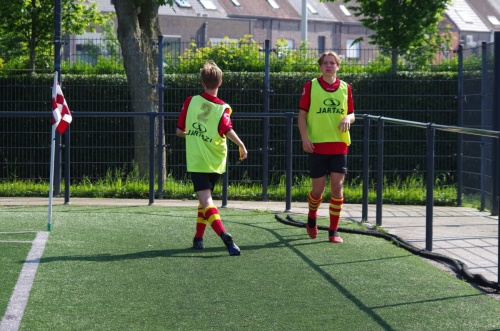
<point x="61" y="116"/>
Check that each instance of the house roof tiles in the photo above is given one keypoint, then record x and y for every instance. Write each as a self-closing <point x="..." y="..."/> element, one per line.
<point x="260" y="9"/>
<point x="465" y="17"/>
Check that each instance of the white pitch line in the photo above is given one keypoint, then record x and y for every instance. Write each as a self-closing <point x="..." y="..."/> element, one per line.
<point x="17" y="303"/>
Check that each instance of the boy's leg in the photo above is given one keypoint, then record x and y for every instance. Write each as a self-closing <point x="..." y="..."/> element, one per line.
<point x="213" y="218"/>
<point x="335" y="210"/>
<point x="317" y="169"/>
<point x="311" y="226"/>
<point x="336" y="199"/>
<point x="201" y="224"/>
<point x="203" y="185"/>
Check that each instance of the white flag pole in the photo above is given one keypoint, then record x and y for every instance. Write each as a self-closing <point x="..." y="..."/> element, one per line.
<point x="51" y="190"/>
<point x="52" y="157"/>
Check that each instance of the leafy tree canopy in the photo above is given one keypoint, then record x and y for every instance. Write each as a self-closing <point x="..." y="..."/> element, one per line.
<point x="27" y="28"/>
<point x="403" y="27"/>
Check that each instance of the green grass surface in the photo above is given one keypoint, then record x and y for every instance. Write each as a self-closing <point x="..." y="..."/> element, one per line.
<point x="411" y="191"/>
<point x="132" y="268"/>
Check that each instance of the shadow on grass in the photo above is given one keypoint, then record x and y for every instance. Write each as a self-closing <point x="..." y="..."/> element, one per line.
<point x="346" y="293"/>
<point x="293" y="243"/>
<point x="182" y="253"/>
<point x="167" y="253"/>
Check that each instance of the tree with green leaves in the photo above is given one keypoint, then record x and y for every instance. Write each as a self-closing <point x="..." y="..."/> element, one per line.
<point x="407" y="28"/>
<point x="27" y="29"/>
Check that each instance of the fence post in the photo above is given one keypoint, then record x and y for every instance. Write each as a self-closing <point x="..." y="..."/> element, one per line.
<point x="366" y="167"/>
<point x="460" y="122"/>
<point x="67" y="177"/>
<point x="380" y="171"/>
<point x="159" y="88"/>
<point x="225" y="185"/>
<point x="265" y="122"/>
<point x="429" y="203"/>
<point x="152" y="118"/>
<point x="496" y="126"/>
<point x="496" y="143"/>
<point x="289" y="158"/>
<point x="484" y="79"/>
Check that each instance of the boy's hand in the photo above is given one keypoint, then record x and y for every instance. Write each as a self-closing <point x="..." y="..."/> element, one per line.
<point x="243" y="153"/>
<point x="345" y="124"/>
<point x="307" y="145"/>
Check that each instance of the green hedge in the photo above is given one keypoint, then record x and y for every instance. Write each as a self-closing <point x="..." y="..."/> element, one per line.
<point x="422" y="97"/>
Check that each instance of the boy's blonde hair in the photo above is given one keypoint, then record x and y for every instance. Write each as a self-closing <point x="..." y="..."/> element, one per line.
<point x="211" y="75"/>
<point x="322" y="57"/>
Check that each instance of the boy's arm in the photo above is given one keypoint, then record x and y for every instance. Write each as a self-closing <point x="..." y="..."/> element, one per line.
<point x="234" y="138"/>
<point x="181" y="121"/>
<point x="307" y="145"/>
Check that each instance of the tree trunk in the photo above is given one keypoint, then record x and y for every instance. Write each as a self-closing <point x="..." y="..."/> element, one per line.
<point x="394" y="60"/>
<point x="138" y="29"/>
<point x="33" y="36"/>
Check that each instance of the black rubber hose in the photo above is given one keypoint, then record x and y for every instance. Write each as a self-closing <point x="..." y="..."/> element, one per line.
<point x="460" y="268"/>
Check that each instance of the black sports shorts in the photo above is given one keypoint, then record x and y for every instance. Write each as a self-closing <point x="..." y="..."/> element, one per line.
<point x="203" y="181"/>
<point x="322" y="164"/>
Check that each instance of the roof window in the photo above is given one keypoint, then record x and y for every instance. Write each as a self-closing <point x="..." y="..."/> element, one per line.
<point x="345" y="10"/>
<point x="208" y="4"/>
<point x="464" y="16"/>
<point x="311" y="9"/>
<point x="494" y="20"/>
<point x="236" y="3"/>
<point x="273" y="4"/>
<point x="183" y="3"/>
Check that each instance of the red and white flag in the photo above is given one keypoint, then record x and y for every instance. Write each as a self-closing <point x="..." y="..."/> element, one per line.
<point x="61" y="116"/>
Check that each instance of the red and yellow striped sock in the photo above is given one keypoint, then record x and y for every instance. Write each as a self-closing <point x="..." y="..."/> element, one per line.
<point x="314" y="204"/>
<point x="335" y="210"/>
<point x="212" y="216"/>
<point x="201" y="223"/>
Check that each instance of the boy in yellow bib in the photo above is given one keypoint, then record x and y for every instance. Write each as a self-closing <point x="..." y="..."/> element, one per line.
<point x="326" y="111"/>
<point x="205" y="122"/>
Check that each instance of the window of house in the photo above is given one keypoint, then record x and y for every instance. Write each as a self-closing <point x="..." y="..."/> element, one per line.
<point x="236" y="3"/>
<point x="171" y="50"/>
<point x="321" y="44"/>
<point x="283" y="47"/>
<point x="183" y="3"/>
<point x="89" y="46"/>
<point x="311" y="9"/>
<point x="345" y="10"/>
<point x="469" y="40"/>
<point x="291" y="43"/>
<point x="494" y="20"/>
<point x="464" y="16"/>
<point x="352" y="51"/>
<point x="273" y="4"/>
<point x="208" y="4"/>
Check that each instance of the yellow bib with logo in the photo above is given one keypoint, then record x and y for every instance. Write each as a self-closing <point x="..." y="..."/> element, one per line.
<point x="206" y="150"/>
<point x="326" y="111"/>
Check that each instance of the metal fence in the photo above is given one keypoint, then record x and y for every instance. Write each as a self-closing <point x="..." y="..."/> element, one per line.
<point x="475" y="98"/>
<point x="80" y="55"/>
<point x="109" y="153"/>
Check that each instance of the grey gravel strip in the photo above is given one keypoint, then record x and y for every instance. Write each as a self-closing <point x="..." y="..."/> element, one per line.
<point x="17" y="303"/>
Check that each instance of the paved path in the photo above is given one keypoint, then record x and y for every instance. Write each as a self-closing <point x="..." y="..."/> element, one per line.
<point x="465" y="234"/>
